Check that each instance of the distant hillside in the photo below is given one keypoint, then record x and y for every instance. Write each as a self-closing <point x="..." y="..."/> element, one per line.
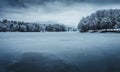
<point x="101" y="20"/>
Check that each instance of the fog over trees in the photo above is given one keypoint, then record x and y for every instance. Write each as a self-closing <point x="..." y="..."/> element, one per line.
<point x="102" y="19"/>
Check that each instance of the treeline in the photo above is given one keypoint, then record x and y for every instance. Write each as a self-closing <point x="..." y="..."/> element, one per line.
<point x="102" y="19"/>
<point x="15" y="26"/>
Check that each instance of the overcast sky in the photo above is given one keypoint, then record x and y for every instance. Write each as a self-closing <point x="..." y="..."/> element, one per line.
<point x="62" y="11"/>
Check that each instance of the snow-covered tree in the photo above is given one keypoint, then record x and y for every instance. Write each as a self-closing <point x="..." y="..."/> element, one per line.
<point x="102" y="19"/>
<point x="55" y="28"/>
<point x="13" y="26"/>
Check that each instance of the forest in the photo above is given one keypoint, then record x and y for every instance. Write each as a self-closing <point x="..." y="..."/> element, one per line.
<point x="17" y="26"/>
<point x="100" y="20"/>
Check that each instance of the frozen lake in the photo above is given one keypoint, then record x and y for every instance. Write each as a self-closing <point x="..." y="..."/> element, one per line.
<point x="91" y="52"/>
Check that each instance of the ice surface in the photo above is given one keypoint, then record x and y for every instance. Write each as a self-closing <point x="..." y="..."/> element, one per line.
<point x="87" y="50"/>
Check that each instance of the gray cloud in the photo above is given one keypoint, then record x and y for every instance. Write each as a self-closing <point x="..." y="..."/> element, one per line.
<point x="23" y="3"/>
<point x="65" y="11"/>
<point x="28" y="3"/>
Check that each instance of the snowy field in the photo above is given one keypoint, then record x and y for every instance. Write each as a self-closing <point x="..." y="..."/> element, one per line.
<point x="87" y="52"/>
